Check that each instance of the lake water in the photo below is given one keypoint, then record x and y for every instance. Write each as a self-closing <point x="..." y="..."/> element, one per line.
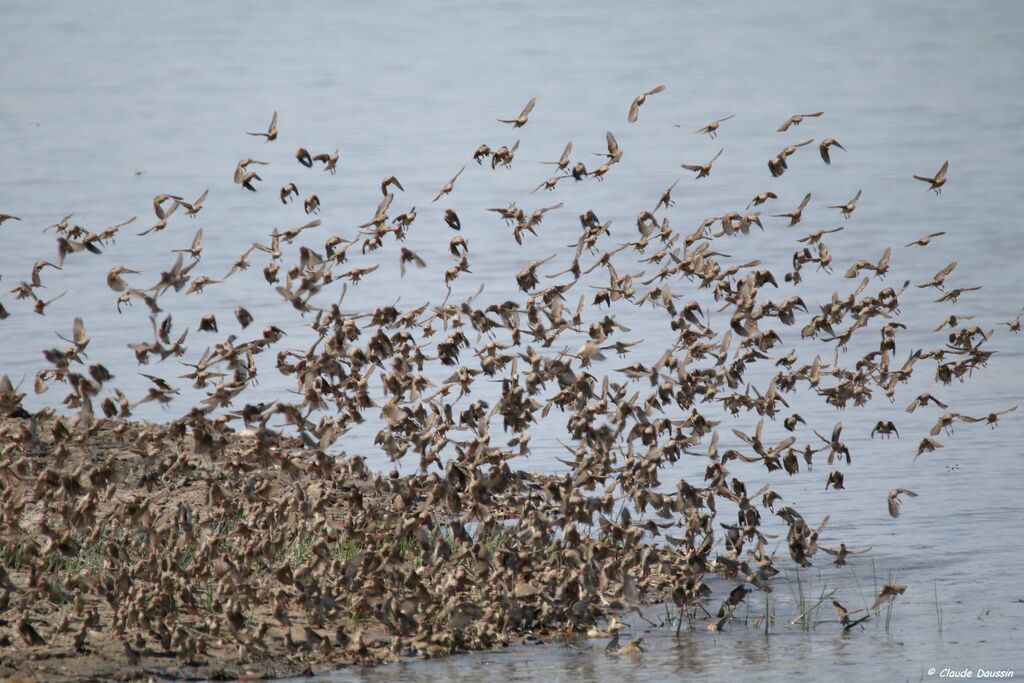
<point x="104" y="105"/>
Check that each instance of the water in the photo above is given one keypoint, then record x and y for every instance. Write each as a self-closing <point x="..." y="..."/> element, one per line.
<point x="93" y="94"/>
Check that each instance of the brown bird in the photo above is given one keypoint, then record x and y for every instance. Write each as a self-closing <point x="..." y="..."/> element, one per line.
<point x="311" y="204"/>
<point x="247" y="180"/>
<point x="563" y="161"/>
<point x="193" y="208"/>
<point x="390" y="180"/>
<point x="481" y="153"/>
<point x="452" y="219"/>
<point x="797" y="119"/>
<point x="992" y="419"/>
<point x="894" y="501"/>
<point x="939" y="279"/>
<point x="842" y="552"/>
<point x="888" y="592"/>
<point x="634" y="108"/>
<point x="924" y="241"/>
<point x="795" y="215"/>
<point x="614" y="153"/>
<point x="196" y="248"/>
<point x="824" y="145"/>
<point x="271" y="133"/>
<point x="330" y="161"/>
<point x="938" y="180"/>
<point x="114" y="280"/>
<point x="449" y="186"/>
<point x="848" y="208"/>
<point x="712" y="128"/>
<point x="243" y="317"/>
<point x="885" y="428"/>
<point x="287" y="191"/>
<point x="409" y="256"/>
<point x="241" y="166"/>
<point x="703" y="170"/>
<point x="520" y="121"/>
<point x="8" y="217"/>
<point x="304" y="157"/>
<point x="926" y="446"/>
<point x="1014" y="324"/>
<point x="762" y="198"/>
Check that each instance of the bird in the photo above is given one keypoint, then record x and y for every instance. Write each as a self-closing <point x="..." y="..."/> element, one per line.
<point x="524" y="115"/>
<point x="894" y="500"/>
<point x="939" y="279"/>
<point x="304" y="157"/>
<point x="311" y="204"/>
<point x="563" y="161"/>
<point x="778" y="164"/>
<point x="288" y="191"/>
<point x="938" y="180"/>
<point x="409" y="256"/>
<point x="388" y="181"/>
<point x="795" y="215"/>
<point x="848" y="208"/>
<point x="842" y="552"/>
<point x="885" y="428"/>
<point x="240" y="169"/>
<point x="887" y="593"/>
<point x="926" y="240"/>
<point x="329" y="160"/>
<point x="481" y="153"/>
<point x="271" y="133"/>
<point x="824" y="146"/>
<point x="923" y="400"/>
<point x="196" y="248"/>
<point x="4" y="217"/>
<point x="247" y="179"/>
<point x="761" y="198"/>
<point x="194" y="208"/>
<point x="1014" y="324"/>
<point x="452" y="219"/>
<point x="796" y="120"/>
<point x="243" y="316"/>
<point x="634" y="108"/>
<point x="712" y="128"/>
<point x="449" y="186"/>
<point x="703" y="170"/>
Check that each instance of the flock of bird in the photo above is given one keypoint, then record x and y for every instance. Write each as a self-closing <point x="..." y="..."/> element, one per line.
<point x="231" y="532"/>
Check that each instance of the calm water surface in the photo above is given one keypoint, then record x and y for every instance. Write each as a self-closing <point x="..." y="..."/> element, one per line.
<point x="91" y="93"/>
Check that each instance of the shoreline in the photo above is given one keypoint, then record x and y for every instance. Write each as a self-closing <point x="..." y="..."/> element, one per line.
<point x="133" y="550"/>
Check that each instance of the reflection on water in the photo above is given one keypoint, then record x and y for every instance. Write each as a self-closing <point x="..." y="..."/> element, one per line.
<point x="92" y="93"/>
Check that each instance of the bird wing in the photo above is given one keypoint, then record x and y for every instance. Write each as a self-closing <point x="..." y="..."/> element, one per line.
<point x="633" y="110"/>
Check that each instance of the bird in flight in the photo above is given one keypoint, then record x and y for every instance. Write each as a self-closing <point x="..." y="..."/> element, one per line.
<point x="797" y="119"/>
<point x="634" y="109"/>
<point x="524" y="115"/>
<point x="712" y="128"/>
<point x="703" y="170"/>
<point x="271" y="133"/>
<point x="938" y="180"/>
